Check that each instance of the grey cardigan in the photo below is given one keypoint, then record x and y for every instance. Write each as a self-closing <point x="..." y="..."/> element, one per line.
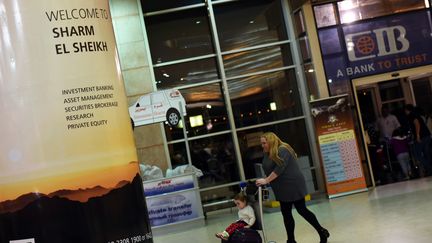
<point x="290" y="184"/>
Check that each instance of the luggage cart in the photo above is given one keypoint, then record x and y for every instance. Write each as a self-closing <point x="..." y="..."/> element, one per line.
<point x="394" y="169"/>
<point x="256" y="195"/>
<point x="417" y="168"/>
<point x="386" y="145"/>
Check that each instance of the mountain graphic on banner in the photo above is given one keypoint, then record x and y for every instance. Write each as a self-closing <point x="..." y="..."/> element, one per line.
<point x="81" y="195"/>
<point x="69" y="221"/>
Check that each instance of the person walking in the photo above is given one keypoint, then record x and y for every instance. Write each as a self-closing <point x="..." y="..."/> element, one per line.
<point x="400" y="146"/>
<point x="287" y="181"/>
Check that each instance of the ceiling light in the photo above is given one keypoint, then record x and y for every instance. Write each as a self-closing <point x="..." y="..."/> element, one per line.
<point x="347" y="5"/>
<point x="350" y="45"/>
<point x="349" y="17"/>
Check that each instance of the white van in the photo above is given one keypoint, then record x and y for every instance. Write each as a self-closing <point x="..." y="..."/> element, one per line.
<point x="159" y="106"/>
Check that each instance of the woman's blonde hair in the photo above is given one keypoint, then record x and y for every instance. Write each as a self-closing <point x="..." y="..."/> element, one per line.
<point x="274" y="143"/>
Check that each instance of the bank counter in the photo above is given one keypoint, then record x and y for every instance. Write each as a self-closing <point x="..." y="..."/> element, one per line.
<point x="173" y="204"/>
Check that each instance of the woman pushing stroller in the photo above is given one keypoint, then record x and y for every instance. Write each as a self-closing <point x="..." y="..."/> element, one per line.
<point x="288" y="183"/>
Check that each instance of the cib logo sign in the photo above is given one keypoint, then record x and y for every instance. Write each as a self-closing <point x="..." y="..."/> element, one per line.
<point x="387" y="41"/>
<point x="23" y="241"/>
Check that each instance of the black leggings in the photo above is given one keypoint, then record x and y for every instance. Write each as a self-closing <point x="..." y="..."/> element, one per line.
<point x="300" y="205"/>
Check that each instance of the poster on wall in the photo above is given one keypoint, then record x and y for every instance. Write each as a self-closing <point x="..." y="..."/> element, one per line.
<point x="168" y="185"/>
<point x="68" y="165"/>
<point x="338" y="147"/>
<point x="173" y="208"/>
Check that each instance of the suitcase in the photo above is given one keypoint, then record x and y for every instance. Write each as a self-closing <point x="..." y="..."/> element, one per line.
<point x="244" y="235"/>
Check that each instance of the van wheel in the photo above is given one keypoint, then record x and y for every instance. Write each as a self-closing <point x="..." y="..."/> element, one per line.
<point x="173" y="117"/>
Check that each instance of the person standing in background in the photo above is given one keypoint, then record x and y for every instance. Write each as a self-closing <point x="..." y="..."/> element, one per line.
<point x="399" y="142"/>
<point x="428" y="120"/>
<point x="287" y="181"/>
<point x="386" y="124"/>
<point x="421" y="137"/>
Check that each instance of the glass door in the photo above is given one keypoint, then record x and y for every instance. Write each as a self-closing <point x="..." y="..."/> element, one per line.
<point x="392" y="91"/>
<point x="422" y="92"/>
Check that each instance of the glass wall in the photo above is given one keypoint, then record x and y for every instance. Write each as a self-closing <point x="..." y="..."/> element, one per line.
<point x="306" y="55"/>
<point x="233" y="61"/>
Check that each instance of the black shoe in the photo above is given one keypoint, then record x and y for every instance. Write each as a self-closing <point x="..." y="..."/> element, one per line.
<point x="324" y="235"/>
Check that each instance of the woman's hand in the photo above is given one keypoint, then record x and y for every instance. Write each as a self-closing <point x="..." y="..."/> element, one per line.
<point x="261" y="182"/>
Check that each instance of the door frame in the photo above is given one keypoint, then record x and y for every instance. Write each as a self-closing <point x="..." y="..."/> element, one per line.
<point x="414" y="78"/>
<point x="376" y="103"/>
<point x="373" y="79"/>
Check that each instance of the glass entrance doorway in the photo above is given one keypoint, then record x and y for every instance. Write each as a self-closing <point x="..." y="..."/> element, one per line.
<point x="422" y="92"/>
<point x="381" y="104"/>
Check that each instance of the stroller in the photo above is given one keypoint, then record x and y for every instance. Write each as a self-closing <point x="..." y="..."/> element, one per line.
<point x="251" y="235"/>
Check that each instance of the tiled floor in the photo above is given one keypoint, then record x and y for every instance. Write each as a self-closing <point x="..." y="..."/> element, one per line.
<point x="395" y="213"/>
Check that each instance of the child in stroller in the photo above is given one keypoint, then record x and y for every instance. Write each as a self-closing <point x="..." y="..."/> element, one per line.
<point x="246" y="216"/>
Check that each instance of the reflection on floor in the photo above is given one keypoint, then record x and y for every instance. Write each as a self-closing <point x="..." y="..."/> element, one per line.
<point x="394" y="213"/>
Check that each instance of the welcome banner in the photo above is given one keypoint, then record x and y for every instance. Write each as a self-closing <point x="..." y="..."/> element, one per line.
<point x="339" y="152"/>
<point x="68" y="165"/>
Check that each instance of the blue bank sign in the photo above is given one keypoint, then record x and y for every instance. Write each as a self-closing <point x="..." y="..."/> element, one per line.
<point x="377" y="46"/>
